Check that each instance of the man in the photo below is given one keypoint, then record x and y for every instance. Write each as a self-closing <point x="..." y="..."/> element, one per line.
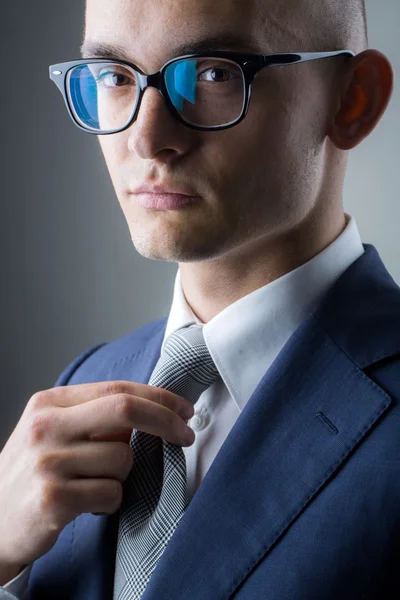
<point x="293" y="477"/>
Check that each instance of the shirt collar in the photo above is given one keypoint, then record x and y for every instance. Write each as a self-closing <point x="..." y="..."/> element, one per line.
<point x="245" y="338"/>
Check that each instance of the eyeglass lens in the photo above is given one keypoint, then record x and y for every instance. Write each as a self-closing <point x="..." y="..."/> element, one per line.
<point x="208" y="92"/>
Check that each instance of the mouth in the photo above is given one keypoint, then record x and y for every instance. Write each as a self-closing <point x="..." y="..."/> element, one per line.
<point x="165" y="201"/>
<point x="165" y="195"/>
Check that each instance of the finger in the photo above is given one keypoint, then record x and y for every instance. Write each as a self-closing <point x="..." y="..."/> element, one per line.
<point x="73" y="395"/>
<point x="114" y="413"/>
<point x="96" y="459"/>
<point x="124" y="435"/>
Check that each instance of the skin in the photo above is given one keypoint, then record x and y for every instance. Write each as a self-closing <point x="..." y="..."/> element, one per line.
<point x="271" y="186"/>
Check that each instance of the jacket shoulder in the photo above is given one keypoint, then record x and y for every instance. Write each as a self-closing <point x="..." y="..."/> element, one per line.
<point x="95" y="363"/>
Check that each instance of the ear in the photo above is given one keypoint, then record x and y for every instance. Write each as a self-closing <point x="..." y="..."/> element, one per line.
<point x="367" y="89"/>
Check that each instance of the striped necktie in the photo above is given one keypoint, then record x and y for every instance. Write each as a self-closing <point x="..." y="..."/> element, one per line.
<point x="155" y="492"/>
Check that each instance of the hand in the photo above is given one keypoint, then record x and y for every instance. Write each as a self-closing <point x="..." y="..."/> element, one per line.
<point x="69" y="454"/>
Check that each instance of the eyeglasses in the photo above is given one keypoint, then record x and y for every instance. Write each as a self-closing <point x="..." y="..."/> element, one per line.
<point x="208" y="92"/>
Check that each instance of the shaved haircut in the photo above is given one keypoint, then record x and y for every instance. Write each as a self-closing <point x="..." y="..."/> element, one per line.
<point x="350" y="22"/>
<point x="315" y="25"/>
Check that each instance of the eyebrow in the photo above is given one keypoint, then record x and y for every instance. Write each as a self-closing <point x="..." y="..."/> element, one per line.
<point x="227" y="41"/>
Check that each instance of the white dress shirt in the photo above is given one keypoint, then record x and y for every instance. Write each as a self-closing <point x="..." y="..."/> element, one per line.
<point x="243" y="340"/>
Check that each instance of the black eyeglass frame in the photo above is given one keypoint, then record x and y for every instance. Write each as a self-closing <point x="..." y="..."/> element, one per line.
<point x="250" y="65"/>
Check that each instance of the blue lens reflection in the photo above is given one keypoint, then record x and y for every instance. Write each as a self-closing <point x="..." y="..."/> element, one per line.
<point x="181" y="81"/>
<point x="83" y="90"/>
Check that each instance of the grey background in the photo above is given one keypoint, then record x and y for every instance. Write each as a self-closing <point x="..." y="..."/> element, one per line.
<point x="70" y="275"/>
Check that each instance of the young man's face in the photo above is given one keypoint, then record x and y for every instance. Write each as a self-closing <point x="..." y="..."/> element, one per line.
<point x="256" y="180"/>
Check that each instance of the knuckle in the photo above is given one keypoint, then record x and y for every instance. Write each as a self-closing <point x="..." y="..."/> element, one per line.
<point x="172" y="422"/>
<point x="160" y="397"/>
<point x="50" y="496"/>
<point x="114" y="387"/>
<point x="50" y="504"/>
<point x="116" y="492"/>
<point x="127" y="456"/>
<point x="39" y="427"/>
<point x="48" y="462"/>
<point x="39" y="399"/>
<point x="123" y="405"/>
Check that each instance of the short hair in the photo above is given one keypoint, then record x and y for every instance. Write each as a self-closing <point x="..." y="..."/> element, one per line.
<point x="364" y="22"/>
<point x="320" y="25"/>
<point x="343" y="25"/>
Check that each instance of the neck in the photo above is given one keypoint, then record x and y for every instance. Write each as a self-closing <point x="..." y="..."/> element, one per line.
<point x="210" y="287"/>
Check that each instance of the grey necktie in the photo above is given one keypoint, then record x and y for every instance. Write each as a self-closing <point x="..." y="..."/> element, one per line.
<point x="155" y="492"/>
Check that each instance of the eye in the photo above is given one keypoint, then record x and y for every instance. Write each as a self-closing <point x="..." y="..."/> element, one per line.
<point x="113" y="79"/>
<point x="216" y="75"/>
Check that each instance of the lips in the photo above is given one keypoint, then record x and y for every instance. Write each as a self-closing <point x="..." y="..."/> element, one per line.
<point x="162" y="189"/>
<point x="165" y="201"/>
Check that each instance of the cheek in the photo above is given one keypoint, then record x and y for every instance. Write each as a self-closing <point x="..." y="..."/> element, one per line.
<point x="274" y="143"/>
<point x="253" y="153"/>
<point x="114" y="149"/>
<point x="265" y="157"/>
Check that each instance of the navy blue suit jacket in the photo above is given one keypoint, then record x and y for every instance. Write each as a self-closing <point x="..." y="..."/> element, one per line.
<point x="303" y="500"/>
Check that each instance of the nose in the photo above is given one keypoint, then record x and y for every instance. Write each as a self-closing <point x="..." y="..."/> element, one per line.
<point x="157" y="132"/>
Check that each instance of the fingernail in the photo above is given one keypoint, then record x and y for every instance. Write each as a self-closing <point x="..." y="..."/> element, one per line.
<point x="188" y="412"/>
<point x="189" y="435"/>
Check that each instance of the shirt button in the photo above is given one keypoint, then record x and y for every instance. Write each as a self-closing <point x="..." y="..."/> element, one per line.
<point x="200" y="420"/>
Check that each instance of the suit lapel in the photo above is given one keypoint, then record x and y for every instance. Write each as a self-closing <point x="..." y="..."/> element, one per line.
<point x="298" y="428"/>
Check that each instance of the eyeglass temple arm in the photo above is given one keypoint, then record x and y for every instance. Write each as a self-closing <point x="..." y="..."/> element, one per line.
<point x="298" y="57"/>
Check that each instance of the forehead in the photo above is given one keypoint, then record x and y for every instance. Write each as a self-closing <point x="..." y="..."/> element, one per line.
<point x="153" y="13"/>
<point x="153" y="27"/>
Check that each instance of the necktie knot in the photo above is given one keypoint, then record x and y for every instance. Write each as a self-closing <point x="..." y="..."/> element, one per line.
<point x="185" y="366"/>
